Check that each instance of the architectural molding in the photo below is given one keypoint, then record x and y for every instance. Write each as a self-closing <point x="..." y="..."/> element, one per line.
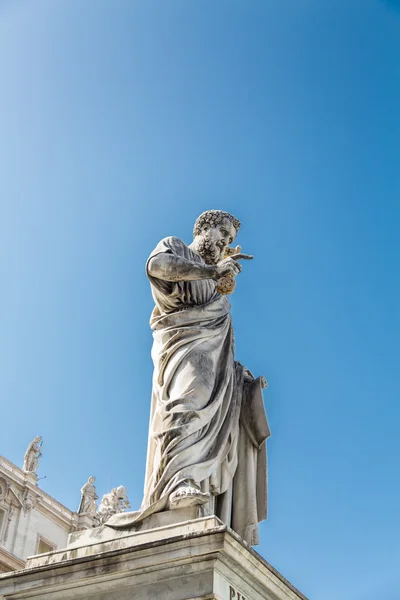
<point x="29" y="513"/>
<point x="9" y="562"/>
<point x="43" y="501"/>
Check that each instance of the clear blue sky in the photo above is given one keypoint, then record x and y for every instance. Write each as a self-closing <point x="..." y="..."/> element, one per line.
<point x="120" y="122"/>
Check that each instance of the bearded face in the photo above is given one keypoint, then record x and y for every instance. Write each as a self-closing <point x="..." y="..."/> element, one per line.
<point x="213" y="241"/>
<point x="208" y="249"/>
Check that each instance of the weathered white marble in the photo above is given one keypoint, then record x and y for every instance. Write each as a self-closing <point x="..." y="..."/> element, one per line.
<point x="112" y="503"/>
<point x="32" y="455"/>
<point x="89" y="496"/>
<point x="158" y="521"/>
<point x="208" y="425"/>
<point x="103" y="539"/>
<point x="200" y="559"/>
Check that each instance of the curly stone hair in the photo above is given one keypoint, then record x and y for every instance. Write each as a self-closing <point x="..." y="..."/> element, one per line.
<point x="213" y="218"/>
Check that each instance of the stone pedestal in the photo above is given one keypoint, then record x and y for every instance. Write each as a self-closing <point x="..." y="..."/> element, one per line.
<point x="31" y="478"/>
<point x="84" y="521"/>
<point x="175" y="555"/>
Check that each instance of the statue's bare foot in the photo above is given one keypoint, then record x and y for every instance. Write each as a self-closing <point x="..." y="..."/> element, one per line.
<point x="188" y="494"/>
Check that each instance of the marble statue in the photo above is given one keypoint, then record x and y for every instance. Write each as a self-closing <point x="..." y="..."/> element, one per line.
<point x="88" y="497"/>
<point x="208" y="425"/>
<point x="112" y="503"/>
<point x="32" y="455"/>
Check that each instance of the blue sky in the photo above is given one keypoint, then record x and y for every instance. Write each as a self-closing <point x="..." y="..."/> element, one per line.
<point x="121" y="122"/>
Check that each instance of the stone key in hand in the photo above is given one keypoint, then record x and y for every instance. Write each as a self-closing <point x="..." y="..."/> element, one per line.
<point x="226" y="284"/>
<point x="240" y="256"/>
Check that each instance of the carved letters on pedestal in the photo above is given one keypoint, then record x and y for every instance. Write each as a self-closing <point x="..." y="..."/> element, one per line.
<point x="234" y="594"/>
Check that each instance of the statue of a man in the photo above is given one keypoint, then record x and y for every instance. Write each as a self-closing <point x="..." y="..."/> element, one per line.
<point x="32" y="455"/>
<point x="88" y="497"/>
<point x="208" y="425"/>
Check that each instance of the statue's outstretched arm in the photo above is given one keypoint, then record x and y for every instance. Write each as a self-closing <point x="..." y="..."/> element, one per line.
<point x="170" y="267"/>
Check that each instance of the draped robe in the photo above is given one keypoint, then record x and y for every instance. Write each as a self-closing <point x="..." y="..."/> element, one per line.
<point x="207" y="424"/>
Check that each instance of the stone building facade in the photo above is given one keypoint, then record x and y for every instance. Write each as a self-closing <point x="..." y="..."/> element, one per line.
<point x="31" y="521"/>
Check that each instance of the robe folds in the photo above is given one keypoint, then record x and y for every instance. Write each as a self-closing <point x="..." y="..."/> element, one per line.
<point x="207" y="423"/>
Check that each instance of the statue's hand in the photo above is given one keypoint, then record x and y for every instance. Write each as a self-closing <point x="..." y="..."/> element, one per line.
<point x="227" y="266"/>
<point x="229" y="251"/>
<point x="230" y="266"/>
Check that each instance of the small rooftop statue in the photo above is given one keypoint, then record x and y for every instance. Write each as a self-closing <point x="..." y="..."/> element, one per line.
<point x="88" y="497"/>
<point x="32" y="455"/>
<point x="208" y="425"/>
<point x="112" y="503"/>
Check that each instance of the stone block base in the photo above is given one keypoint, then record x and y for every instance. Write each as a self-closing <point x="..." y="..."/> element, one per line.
<point x="197" y="559"/>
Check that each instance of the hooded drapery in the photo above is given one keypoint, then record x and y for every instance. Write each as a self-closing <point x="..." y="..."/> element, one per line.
<point x="207" y="424"/>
